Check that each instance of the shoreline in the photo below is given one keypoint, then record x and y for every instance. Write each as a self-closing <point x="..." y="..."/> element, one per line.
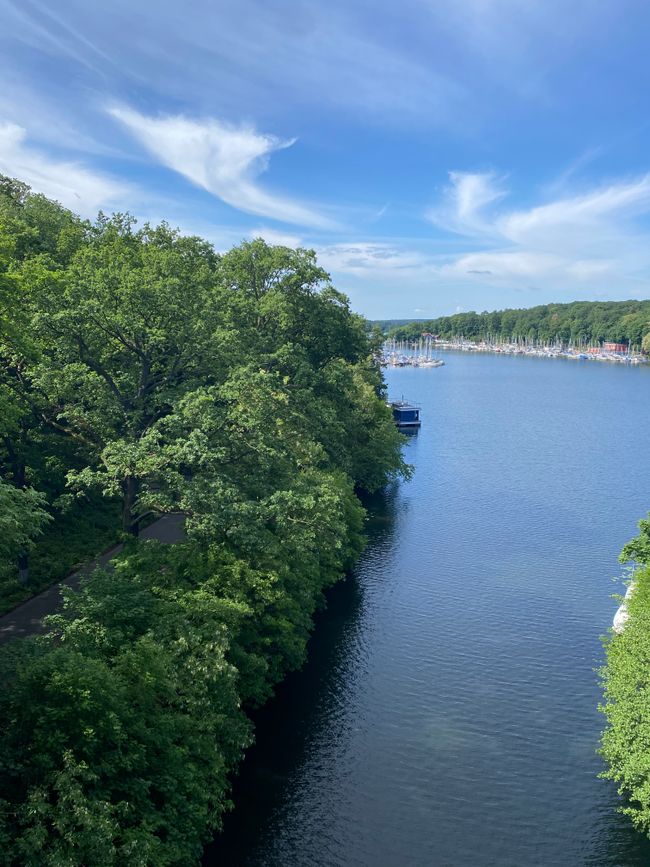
<point x="401" y="355"/>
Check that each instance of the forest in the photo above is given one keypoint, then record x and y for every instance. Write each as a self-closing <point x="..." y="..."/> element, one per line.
<point x="580" y="322"/>
<point x="145" y="374"/>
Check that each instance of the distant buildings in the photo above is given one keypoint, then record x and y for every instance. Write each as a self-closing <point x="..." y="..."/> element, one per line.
<point x="609" y="346"/>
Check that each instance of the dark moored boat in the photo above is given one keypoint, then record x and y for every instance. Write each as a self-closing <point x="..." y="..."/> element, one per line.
<point x="405" y="413"/>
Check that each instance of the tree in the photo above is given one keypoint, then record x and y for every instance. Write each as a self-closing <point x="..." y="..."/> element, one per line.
<point x="241" y="391"/>
<point x="37" y="239"/>
<point x="123" y="729"/>
<point x="626" y="687"/>
<point x="638" y="549"/>
<point x="22" y="519"/>
<point x="130" y="327"/>
<point x="645" y="343"/>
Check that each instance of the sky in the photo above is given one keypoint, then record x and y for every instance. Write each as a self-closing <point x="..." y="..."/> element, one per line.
<point x="439" y="155"/>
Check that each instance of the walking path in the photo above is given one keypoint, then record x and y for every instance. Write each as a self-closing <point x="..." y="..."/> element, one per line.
<point x="27" y="619"/>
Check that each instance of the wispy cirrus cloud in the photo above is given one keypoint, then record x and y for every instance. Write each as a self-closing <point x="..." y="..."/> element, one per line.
<point x="223" y="159"/>
<point x="591" y="238"/>
<point x="75" y="185"/>
<point x="586" y="217"/>
<point x="465" y="202"/>
<point x="39" y="26"/>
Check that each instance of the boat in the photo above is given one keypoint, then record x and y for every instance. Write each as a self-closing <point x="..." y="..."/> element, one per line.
<point x="406" y="415"/>
<point x="623" y="615"/>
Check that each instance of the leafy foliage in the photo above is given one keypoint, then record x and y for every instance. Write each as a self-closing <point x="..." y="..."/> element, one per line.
<point x="626" y="685"/>
<point x="638" y="549"/>
<point x="22" y="518"/>
<point x="240" y="390"/>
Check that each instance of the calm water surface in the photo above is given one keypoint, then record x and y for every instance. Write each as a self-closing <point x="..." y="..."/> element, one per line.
<point x="447" y="714"/>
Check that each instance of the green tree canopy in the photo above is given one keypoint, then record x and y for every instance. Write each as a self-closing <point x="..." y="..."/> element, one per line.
<point x="239" y="390"/>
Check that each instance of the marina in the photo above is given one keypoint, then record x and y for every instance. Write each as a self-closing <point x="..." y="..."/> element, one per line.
<point x="423" y="352"/>
<point x="420" y="353"/>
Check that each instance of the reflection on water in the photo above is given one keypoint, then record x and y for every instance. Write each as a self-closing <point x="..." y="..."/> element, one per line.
<point x="309" y="708"/>
<point x="447" y="714"/>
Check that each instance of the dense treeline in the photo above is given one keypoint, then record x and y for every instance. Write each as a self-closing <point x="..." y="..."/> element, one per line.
<point x="386" y="325"/>
<point x="626" y="683"/>
<point x="579" y="322"/>
<point x="142" y="369"/>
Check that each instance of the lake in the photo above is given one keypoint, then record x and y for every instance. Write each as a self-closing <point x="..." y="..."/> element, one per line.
<point x="447" y="714"/>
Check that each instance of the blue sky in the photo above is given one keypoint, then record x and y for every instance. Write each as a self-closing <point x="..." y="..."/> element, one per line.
<point x="439" y="156"/>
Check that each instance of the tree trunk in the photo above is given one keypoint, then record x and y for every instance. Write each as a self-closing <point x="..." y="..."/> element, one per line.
<point x="20" y="480"/>
<point x="129" y="521"/>
<point x="23" y="569"/>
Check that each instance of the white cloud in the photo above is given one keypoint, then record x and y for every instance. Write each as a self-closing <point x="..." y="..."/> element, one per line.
<point x="580" y="215"/>
<point x="368" y="258"/>
<point x="74" y="185"/>
<point x="465" y="202"/>
<point x="500" y="264"/>
<point x="221" y="158"/>
<point x="591" y="239"/>
<point x="273" y="236"/>
<point x="555" y="272"/>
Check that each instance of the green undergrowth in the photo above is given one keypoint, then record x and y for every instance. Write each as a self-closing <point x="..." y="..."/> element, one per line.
<point x="73" y="538"/>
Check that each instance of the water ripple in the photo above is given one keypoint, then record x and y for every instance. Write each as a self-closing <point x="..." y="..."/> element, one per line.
<point x="447" y="713"/>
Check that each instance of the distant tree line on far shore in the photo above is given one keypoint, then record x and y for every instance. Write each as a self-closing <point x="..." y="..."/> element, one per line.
<point x="580" y="322"/>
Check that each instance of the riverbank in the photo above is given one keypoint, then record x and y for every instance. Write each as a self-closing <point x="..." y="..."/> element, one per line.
<point x="626" y="706"/>
<point x="237" y="390"/>
<point x="450" y="689"/>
